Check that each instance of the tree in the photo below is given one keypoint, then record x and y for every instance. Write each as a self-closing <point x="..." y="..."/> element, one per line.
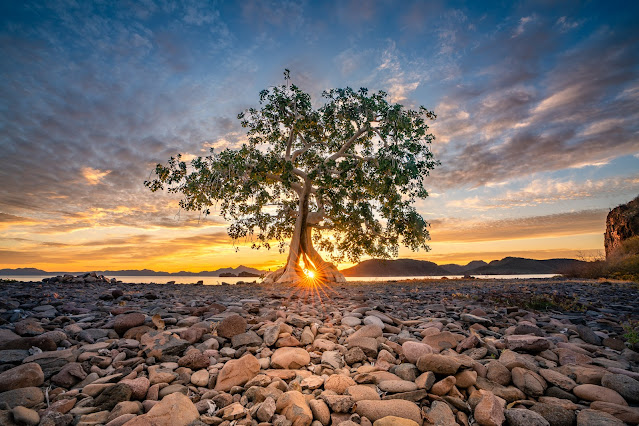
<point x="352" y="168"/>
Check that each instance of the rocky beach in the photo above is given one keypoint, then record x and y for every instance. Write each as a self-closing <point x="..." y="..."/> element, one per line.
<point x="439" y="352"/>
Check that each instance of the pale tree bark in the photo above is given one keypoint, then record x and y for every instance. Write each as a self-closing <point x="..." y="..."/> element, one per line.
<point x="302" y="250"/>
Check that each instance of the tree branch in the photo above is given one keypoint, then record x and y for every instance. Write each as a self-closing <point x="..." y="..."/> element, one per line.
<point x="347" y="145"/>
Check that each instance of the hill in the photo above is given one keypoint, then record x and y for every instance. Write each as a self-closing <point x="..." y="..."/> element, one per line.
<point x="394" y="268"/>
<point x="520" y="265"/>
<point x="455" y="269"/>
<point x="141" y="272"/>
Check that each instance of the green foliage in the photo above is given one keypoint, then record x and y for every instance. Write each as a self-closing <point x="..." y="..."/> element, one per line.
<point x="358" y="161"/>
<point x="631" y="334"/>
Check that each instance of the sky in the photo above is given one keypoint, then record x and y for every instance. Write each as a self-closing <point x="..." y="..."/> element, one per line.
<point x="537" y="130"/>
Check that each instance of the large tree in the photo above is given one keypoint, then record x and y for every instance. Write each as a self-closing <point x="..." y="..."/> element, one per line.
<point x="342" y="178"/>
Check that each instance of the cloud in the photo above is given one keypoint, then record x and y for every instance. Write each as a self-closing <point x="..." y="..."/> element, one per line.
<point x="94" y="176"/>
<point x="523" y="22"/>
<point x="556" y="225"/>
<point x="545" y="191"/>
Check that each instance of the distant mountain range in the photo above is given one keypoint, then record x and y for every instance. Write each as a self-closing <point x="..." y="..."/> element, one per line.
<point x="412" y="268"/>
<point x="138" y="272"/>
<point x="367" y="268"/>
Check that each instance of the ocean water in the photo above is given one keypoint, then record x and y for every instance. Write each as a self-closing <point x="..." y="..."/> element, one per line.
<point x="234" y="280"/>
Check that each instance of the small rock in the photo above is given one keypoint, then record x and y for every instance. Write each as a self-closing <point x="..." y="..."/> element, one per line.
<point x="439" y="364"/>
<point x="22" y="376"/>
<point x="597" y="418"/>
<point x="414" y="350"/>
<point x="237" y="372"/>
<point x="290" y="358"/>
<point x="395" y="421"/>
<point x="490" y="409"/>
<point x="175" y="410"/>
<point x="440" y="414"/>
<point x="590" y="392"/>
<point x="25" y="416"/>
<point x="231" y="326"/>
<point x="375" y="410"/>
<point x="524" y="417"/>
<point x="623" y="385"/>
<point x="294" y="407"/>
<point x="124" y="322"/>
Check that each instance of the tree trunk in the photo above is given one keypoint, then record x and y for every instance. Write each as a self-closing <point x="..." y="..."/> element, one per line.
<point x="301" y="249"/>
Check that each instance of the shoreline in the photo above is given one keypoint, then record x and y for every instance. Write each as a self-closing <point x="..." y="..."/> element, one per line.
<point x="446" y="351"/>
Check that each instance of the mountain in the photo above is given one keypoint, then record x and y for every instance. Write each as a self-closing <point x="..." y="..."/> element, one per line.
<point x="394" y="268"/>
<point x="22" y="271"/>
<point x="455" y="269"/>
<point x="520" y="265"/>
<point x="139" y="272"/>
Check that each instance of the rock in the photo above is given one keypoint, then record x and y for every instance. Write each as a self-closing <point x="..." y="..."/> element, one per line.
<point x="443" y="340"/>
<point x="375" y="410"/>
<point x="162" y="344"/>
<point x="529" y="382"/>
<point x="526" y="343"/>
<point x="624" y="413"/>
<point x="414" y="350"/>
<point x="195" y="360"/>
<point x="369" y="331"/>
<point x="271" y="334"/>
<point x="237" y="372"/>
<point x="320" y="411"/>
<point x="338" y="403"/>
<point x="28" y="327"/>
<point x="474" y="319"/>
<point x="175" y="410"/>
<point x="200" y="378"/>
<point x="597" y="418"/>
<point x="231" y="326"/>
<point x="121" y="420"/>
<point x="465" y="379"/>
<point x="440" y="414"/>
<point x="139" y="387"/>
<point x="425" y="380"/>
<point x="111" y="396"/>
<point x="351" y="321"/>
<point x="338" y="383"/>
<point x="524" y="417"/>
<point x="623" y="385"/>
<point x="266" y="410"/>
<point x="28" y="397"/>
<point x="395" y="421"/>
<point x="293" y="406"/>
<point x="354" y="355"/>
<point x="622" y="223"/>
<point x="332" y="359"/>
<point x="249" y="338"/>
<point x="443" y="386"/>
<point x="22" y="376"/>
<point x="25" y="416"/>
<point x="598" y="393"/>
<point x="367" y="344"/>
<point x="439" y="364"/>
<point x="232" y="412"/>
<point x="374" y="321"/>
<point x="558" y="379"/>
<point x="554" y="414"/>
<point x="588" y="335"/>
<point x="290" y="358"/>
<point x="125" y="407"/>
<point x="490" y="410"/>
<point x="395" y="386"/>
<point x="70" y="374"/>
<point x="362" y="392"/>
<point x="124" y="322"/>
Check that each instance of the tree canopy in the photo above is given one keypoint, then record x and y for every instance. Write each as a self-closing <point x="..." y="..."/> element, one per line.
<point x="343" y="177"/>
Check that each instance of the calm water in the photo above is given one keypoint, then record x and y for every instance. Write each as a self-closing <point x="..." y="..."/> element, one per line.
<point x="233" y="280"/>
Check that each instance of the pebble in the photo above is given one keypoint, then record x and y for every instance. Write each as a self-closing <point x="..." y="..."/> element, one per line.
<point x="141" y="354"/>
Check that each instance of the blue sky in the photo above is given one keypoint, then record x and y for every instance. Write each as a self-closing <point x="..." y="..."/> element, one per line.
<point x="537" y="129"/>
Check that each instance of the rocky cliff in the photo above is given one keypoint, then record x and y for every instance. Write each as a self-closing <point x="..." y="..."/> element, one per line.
<point x="622" y="223"/>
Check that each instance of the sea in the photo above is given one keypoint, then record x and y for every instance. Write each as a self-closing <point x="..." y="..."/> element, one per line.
<point x="160" y="279"/>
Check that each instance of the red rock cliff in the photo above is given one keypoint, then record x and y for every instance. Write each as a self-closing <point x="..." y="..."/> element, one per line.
<point x="622" y="223"/>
